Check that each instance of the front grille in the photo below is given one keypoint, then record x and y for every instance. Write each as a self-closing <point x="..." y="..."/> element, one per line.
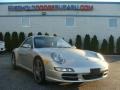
<point x="92" y="76"/>
<point x="95" y="71"/>
<point x="95" y="75"/>
<point x="72" y="77"/>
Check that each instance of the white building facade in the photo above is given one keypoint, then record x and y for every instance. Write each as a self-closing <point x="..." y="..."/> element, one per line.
<point x="66" y="19"/>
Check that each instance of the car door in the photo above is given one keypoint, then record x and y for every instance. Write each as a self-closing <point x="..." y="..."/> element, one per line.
<point x="26" y="53"/>
<point x="21" y="52"/>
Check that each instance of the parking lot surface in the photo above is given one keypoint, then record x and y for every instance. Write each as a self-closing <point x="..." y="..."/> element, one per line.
<point x="23" y="80"/>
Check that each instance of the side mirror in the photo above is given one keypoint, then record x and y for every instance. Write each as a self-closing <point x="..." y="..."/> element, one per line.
<point x="27" y="46"/>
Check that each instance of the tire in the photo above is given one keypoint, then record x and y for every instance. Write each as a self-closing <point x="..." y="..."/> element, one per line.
<point x="13" y="62"/>
<point x="39" y="71"/>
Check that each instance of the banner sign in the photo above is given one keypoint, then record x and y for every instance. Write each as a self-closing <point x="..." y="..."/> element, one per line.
<point x="50" y="7"/>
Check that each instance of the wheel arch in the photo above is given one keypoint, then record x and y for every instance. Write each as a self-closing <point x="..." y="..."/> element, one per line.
<point x="14" y="52"/>
<point x="38" y="56"/>
<point x="44" y="71"/>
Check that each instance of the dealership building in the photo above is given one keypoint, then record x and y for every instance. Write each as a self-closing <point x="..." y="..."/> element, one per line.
<point x="66" y="19"/>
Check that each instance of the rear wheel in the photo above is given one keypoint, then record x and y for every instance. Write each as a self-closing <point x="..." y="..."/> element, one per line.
<point x="38" y="70"/>
<point x="13" y="61"/>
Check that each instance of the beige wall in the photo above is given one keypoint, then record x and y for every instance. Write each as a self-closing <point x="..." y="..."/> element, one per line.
<point x="95" y="23"/>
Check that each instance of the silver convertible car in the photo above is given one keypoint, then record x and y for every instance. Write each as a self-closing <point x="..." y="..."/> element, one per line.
<point x="51" y="58"/>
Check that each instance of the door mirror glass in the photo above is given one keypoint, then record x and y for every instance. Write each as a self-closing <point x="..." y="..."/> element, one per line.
<point x="26" y="46"/>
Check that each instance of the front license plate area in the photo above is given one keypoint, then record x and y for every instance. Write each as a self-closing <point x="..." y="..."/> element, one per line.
<point x="95" y="71"/>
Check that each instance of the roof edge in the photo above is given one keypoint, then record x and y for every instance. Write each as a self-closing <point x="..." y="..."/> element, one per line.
<point x="35" y="2"/>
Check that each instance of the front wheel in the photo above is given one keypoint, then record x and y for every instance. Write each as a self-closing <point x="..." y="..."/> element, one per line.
<point x="39" y="71"/>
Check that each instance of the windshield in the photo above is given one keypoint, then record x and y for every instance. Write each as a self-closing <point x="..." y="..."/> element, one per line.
<point x="53" y="42"/>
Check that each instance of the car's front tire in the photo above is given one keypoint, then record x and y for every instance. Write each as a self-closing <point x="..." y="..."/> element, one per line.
<point x="13" y="61"/>
<point x="39" y="71"/>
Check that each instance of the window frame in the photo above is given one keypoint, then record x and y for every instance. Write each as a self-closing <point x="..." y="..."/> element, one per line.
<point x="113" y="23"/>
<point x="24" y="24"/>
<point x="70" y="21"/>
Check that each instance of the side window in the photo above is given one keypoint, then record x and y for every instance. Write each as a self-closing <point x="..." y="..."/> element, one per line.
<point x="24" y="43"/>
<point x="28" y="41"/>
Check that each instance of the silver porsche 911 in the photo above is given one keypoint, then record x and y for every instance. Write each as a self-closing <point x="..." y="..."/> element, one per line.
<point x="51" y="58"/>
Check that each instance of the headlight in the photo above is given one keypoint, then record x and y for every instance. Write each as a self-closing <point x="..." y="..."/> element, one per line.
<point x="61" y="69"/>
<point x="100" y="56"/>
<point x="58" y="58"/>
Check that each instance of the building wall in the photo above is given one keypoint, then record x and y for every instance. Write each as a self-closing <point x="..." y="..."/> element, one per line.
<point x="97" y="22"/>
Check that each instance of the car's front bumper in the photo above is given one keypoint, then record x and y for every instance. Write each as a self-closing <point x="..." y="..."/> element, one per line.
<point x="75" y="77"/>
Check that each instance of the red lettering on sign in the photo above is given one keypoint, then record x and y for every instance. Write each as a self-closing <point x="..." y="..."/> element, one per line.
<point x="44" y="7"/>
<point x="86" y="7"/>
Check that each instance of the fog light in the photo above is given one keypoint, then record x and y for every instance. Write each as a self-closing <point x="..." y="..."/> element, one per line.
<point x="61" y="69"/>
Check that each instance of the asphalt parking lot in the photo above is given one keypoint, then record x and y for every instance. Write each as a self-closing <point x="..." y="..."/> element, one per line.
<point x="23" y="80"/>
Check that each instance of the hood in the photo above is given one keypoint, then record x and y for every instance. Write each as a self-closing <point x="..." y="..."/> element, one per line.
<point x="74" y="57"/>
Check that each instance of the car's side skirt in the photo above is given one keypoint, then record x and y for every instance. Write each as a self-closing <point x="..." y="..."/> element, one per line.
<point x="24" y="67"/>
